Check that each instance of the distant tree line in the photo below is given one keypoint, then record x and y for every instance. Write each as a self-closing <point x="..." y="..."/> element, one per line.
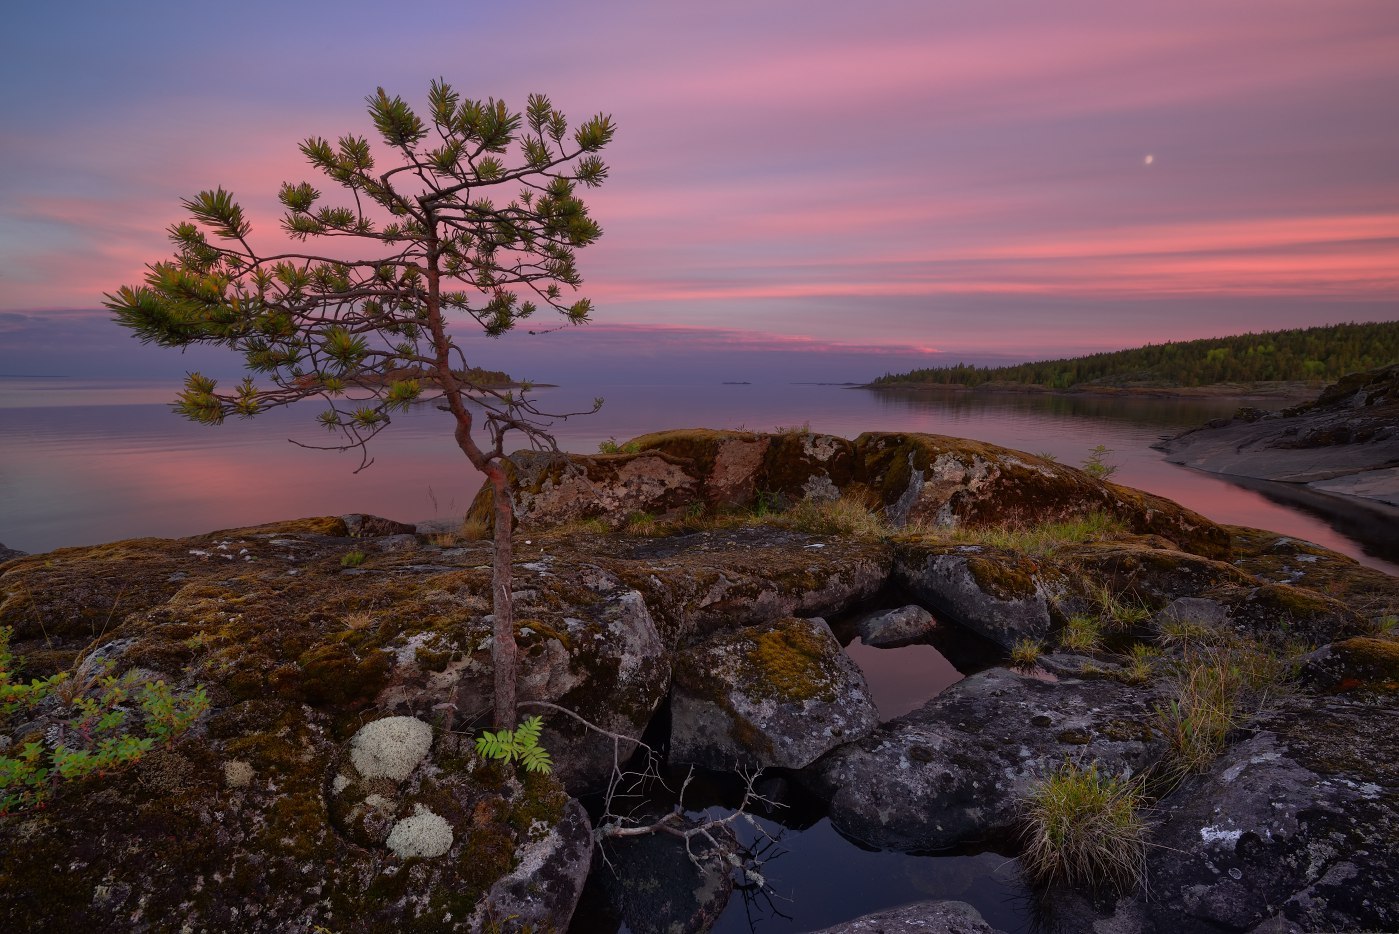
<point x="1322" y="353"/>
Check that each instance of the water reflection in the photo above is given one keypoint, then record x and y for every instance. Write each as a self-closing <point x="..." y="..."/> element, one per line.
<point x="87" y="462"/>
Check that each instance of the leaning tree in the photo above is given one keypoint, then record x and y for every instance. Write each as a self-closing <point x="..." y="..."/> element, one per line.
<point x="476" y="218"/>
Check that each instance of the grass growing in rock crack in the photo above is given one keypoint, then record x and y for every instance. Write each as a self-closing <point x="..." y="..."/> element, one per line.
<point x="1221" y="680"/>
<point x="1040" y="539"/>
<point x="1083" y="827"/>
<point x="1025" y="654"/>
<point x="1081" y="634"/>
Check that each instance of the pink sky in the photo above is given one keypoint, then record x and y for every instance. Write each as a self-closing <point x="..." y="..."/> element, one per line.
<point x="918" y="181"/>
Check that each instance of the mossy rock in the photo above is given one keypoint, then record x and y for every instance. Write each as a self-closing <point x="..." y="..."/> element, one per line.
<point x="1363" y="665"/>
<point x="997" y="594"/>
<point x="1282" y="614"/>
<point x="943" y="481"/>
<point x="781" y="694"/>
<point x="1286" y="560"/>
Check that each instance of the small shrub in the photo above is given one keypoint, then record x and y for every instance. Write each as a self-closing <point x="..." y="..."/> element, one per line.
<point x="1025" y="654"/>
<point x="93" y="737"/>
<point x="1096" y="465"/>
<point x="518" y="745"/>
<point x="610" y="446"/>
<point x="352" y="559"/>
<point x="1085" y="828"/>
<point x="1081" y="634"/>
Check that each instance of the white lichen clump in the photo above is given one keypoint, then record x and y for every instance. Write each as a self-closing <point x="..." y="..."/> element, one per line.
<point x="237" y="773"/>
<point x="390" y="748"/>
<point x="424" y="834"/>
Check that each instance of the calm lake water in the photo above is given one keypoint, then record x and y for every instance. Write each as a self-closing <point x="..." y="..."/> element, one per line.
<point x="87" y="462"/>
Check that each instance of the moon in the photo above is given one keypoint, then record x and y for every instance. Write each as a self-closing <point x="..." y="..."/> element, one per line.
<point x="1149" y="159"/>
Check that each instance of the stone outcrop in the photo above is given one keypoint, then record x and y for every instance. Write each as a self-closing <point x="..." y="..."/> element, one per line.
<point x="7" y="554"/>
<point x="1001" y="596"/>
<point x="780" y="694"/>
<point x="333" y="782"/>
<point x="913" y="478"/>
<point x="1294" y="827"/>
<point x="957" y="768"/>
<point x="1346" y="442"/>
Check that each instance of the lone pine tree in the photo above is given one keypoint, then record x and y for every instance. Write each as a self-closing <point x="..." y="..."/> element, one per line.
<point x="366" y="324"/>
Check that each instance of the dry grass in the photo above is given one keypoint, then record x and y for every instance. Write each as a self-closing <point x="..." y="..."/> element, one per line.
<point x="1220" y="683"/>
<point x="474" y="529"/>
<point x="849" y="515"/>
<point x="1085" y="828"/>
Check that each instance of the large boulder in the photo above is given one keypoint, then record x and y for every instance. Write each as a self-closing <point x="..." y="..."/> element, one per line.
<point x="996" y="594"/>
<point x="781" y="694"/>
<point x="941" y="481"/>
<point x="706" y="582"/>
<point x="959" y="767"/>
<point x="919" y="479"/>
<point x="550" y="489"/>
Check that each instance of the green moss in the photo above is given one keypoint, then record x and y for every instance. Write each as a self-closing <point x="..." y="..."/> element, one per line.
<point x="792" y="663"/>
<point x="1368" y="664"/>
<point x="1003" y="577"/>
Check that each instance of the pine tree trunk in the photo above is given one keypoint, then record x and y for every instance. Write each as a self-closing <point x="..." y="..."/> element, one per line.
<point x="504" y="652"/>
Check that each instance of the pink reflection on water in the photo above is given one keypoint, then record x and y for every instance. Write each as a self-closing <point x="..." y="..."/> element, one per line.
<point x="905" y="678"/>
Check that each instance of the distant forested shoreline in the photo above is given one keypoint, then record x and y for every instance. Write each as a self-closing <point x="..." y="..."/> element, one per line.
<point x="1297" y="355"/>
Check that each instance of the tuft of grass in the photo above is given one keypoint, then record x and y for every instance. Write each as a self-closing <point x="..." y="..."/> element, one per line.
<point x="1219" y="685"/>
<point x="1025" y="654"/>
<point x="352" y="559"/>
<point x="1141" y="663"/>
<point x="1085" y="828"/>
<point x="357" y="621"/>
<point x="845" y="516"/>
<point x="803" y="429"/>
<point x="1042" y="538"/>
<point x="474" y="529"/>
<point x="1081" y="634"/>
<point x="1117" y="611"/>
<point x="643" y="523"/>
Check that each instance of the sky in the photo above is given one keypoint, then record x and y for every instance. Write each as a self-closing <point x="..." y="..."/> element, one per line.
<point x="799" y="190"/>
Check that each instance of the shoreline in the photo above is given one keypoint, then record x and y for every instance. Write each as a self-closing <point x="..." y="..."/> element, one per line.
<point x="1284" y="390"/>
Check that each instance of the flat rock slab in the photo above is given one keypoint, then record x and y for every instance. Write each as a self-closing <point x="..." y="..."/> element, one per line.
<point x="958" y="767"/>
<point x="1294" y="827"/>
<point x="781" y="694"/>
<point x="1347" y="442"/>
<point x="946" y="917"/>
